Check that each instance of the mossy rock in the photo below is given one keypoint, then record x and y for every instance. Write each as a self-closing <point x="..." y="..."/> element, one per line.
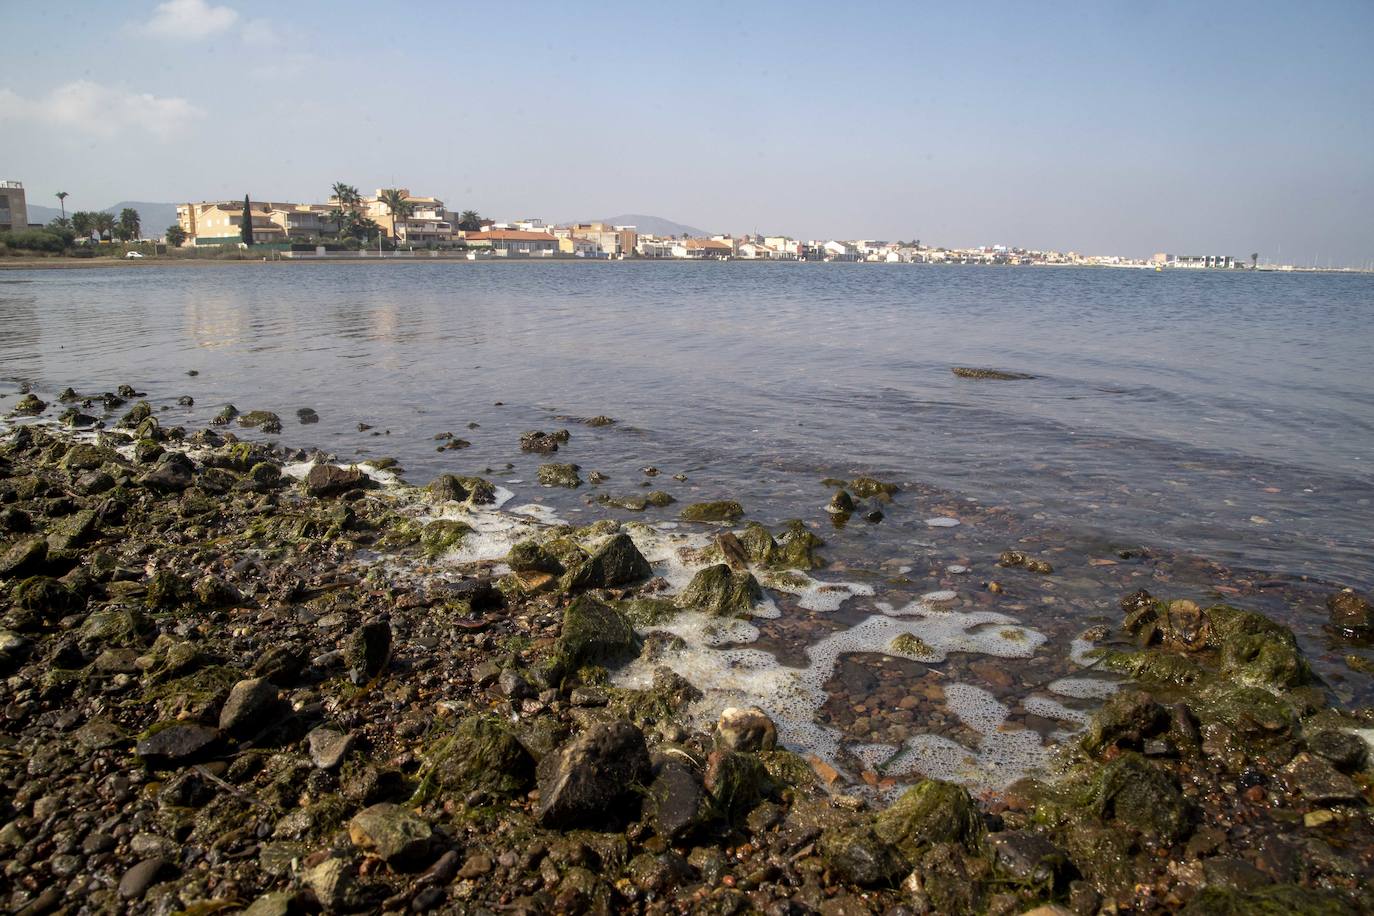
<point x="1135" y="792"/>
<point x="439" y="537"/>
<point x="1127" y="718"/>
<point x="737" y="782"/>
<point x="930" y="812"/>
<point x="724" y="510"/>
<point x="788" y="768"/>
<point x="560" y="475"/>
<point x="167" y="589"/>
<point x="47" y="597"/>
<point x="1154" y="666"/>
<point x="1256" y="651"/>
<point x="195" y="695"/>
<point x="1255" y="714"/>
<point x="454" y="488"/>
<point x="911" y="644"/>
<point x="1275" y="900"/>
<point x="115" y="627"/>
<point x="531" y="556"/>
<point x="593" y="634"/>
<point x="648" y="612"/>
<point x="663" y="701"/>
<point x="857" y="854"/>
<point x="482" y="754"/>
<point x="722" y="592"/>
<point x="616" y="562"/>
<point x="136" y="415"/>
<point x="869" y="487"/>
<point x="795" y="548"/>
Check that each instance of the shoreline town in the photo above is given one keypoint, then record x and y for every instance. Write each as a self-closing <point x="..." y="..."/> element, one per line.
<point x="393" y="223"/>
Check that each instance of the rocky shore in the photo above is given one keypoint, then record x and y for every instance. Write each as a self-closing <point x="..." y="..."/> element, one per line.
<point x="235" y="677"/>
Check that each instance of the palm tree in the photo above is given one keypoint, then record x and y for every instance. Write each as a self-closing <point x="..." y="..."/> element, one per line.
<point x="176" y="236"/>
<point x="1254" y="259"/>
<point x="62" y="199"/>
<point x="82" y="223"/>
<point x="469" y="221"/>
<point x="399" y="206"/>
<point x="129" y="227"/>
<point x="103" y="223"/>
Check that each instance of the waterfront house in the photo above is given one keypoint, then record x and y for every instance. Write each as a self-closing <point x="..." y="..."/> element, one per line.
<point x="219" y="222"/>
<point x="427" y="223"/>
<point x="578" y="247"/>
<point x="839" y="251"/>
<point x="517" y="242"/>
<point x="703" y="249"/>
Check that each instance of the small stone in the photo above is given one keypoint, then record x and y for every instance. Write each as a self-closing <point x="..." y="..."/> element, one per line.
<point x="369" y="649"/>
<point x="328" y="480"/>
<point x="138" y="879"/>
<point x="253" y="705"/>
<point x="328" y="748"/>
<point x="591" y="780"/>
<point x="747" y="729"/>
<point x="177" y="743"/>
<point x="1351" y="613"/>
<point x="1318" y="782"/>
<point x="332" y="881"/>
<point x="392" y="832"/>
<point x="475" y="866"/>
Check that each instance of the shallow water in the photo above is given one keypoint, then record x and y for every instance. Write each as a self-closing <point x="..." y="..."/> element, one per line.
<point x="1218" y="426"/>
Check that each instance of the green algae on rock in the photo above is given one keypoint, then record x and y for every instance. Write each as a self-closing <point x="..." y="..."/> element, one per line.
<point x="930" y="812"/>
<point x="724" y="510"/>
<point x="722" y="592"/>
<point x="560" y="475"/>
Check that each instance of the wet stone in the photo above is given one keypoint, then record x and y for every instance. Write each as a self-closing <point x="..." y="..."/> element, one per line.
<point x="329" y="480"/>
<point x="252" y="706"/>
<point x="590" y="781"/>
<point x="1318" y="782"/>
<point x="177" y="743"/>
<point x="746" y="730"/>
<point x="1351" y="613"/>
<point x="391" y="832"/>
<point x="1345" y="752"/>
<point x="136" y="881"/>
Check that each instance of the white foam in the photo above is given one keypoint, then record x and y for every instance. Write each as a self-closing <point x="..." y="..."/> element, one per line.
<point x="975" y="707"/>
<point x="873" y="756"/>
<point x="814" y="595"/>
<point x="1000" y="758"/>
<point x="539" y="513"/>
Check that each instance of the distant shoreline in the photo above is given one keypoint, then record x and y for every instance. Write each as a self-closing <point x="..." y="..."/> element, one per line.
<point x="60" y="263"/>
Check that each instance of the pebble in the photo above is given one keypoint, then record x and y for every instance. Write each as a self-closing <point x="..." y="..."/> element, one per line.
<point x="138" y="879"/>
<point x="942" y="521"/>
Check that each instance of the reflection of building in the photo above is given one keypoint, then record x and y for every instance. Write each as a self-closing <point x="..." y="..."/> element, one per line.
<point x="427" y="222"/>
<point x="220" y="222"/>
<point x="14" y="210"/>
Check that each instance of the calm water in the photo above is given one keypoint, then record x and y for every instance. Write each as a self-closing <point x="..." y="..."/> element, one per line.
<point x="1226" y="418"/>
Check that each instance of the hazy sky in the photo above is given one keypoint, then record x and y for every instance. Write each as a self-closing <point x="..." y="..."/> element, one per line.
<point x="1100" y="127"/>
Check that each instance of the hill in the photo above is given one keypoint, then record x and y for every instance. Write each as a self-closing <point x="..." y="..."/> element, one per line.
<point x="651" y="225"/>
<point x="153" y="217"/>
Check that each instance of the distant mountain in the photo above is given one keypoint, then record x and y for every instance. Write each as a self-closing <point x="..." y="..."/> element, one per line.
<point x="154" y="218"/>
<point x="651" y="225"/>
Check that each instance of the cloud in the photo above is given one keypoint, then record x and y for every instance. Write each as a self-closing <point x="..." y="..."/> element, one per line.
<point x="91" y="108"/>
<point x="189" y="19"/>
<point x="259" y="32"/>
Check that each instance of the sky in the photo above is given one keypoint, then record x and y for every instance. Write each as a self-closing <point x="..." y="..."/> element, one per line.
<point x="1109" y="127"/>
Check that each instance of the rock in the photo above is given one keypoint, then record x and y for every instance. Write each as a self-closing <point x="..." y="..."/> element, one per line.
<point x="1352" y="614"/>
<point x="859" y="855"/>
<point x="328" y="748"/>
<point x="677" y="802"/>
<point x="268" y="421"/>
<point x="725" y="510"/>
<point x="138" y="879"/>
<point x="1125" y="720"/>
<point x="722" y="592"/>
<point x="745" y="730"/>
<point x="1317" y="782"/>
<point x="1275" y="899"/>
<point x="930" y="812"/>
<point x="28" y="406"/>
<point x="330" y="480"/>
<point x="592" y="634"/>
<point x="73" y="531"/>
<point x="136" y="415"/>
<point x="1345" y="752"/>
<point x="1135" y="792"/>
<point x="737" y="782"/>
<point x="368" y="649"/>
<point x="541" y="442"/>
<point x="177" y="743"/>
<point x="212" y="591"/>
<point x="560" y="475"/>
<point x="332" y="882"/>
<point x="392" y="832"/>
<point x="84" y="456"/>
<point x="172" y="474"/>
<point x="47" y="598"/>
<point x="870" y="487"/>
<point x="992" y="375"/>
<point x="1030" y="857"/>
<point x="450" y="488"/>
<point x="253" y="706"/>
<point x="841" y="503"/>
<point x="530" y="556"/>
<point x="24" y="557"/>
<point x="591" y="780"/>
<point x="616" y="562"/>
<point x="482" y="755"/>
<point x="443" y="535"/>
<point x="1014" y="559"/>
<point x="273" y="903"/>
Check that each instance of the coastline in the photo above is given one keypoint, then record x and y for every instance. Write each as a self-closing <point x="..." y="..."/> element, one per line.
<point x="302" y="686"/>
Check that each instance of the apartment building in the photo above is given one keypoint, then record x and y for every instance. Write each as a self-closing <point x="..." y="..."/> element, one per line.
<point x="427" y="222"/>
<point x="220" y="222"/>
<point x="14" y="209"/>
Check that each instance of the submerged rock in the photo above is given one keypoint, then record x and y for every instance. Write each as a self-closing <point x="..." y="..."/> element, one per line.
<point x="560" y="475"/>
<point x="592" y="780"/>
<point x="870" y="487"/>
<point x="725" y="510"/>
<point x="30" y="405"/>
<point x="995" y="375"/>
<point x="1135" y="792"/>
<point x="264" y="419"/>
<point x="1012" y="559"/>
<point x="1352" y="614"/>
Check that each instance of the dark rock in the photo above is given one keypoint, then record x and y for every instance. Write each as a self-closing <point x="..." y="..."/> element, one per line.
<point x="24" y="557"/>
<point x="1030" y="856"/>
<point x="991" y="375"/>
<point x="677" y="802"/>
<point x="560" y="475"/>
<point x="1345" y="752"/>
<point x="329" y="480"/>
<point x="253" y="705"/>
<point x="172" y="474"/>
<point x="177" y="743"/>
<point x="737" y="782"/>
<point x="1135" y="792"/>
<point x="841" y="502"/>
<point x="930" y="812"/>
<point x="1125" y="720"/>
<point x="28" y="406"/>
<point x="482" y="755"/>
<point x="368" y="649"/>
<point x="592" y="781"/>
<point x="538" y="441"/>
<point x="722" y="592"/>
<point x="593" y="634"/>
<point x="264" y="419"/>
<point x="480" y="593"/>
<point x="725" y="510"/>
<point x="1351" y="613"/>
<point x="1275" y="900"/>
<point x="1317" y="782"/>
<point x="616" y="562"/>
<point x="138" y="879"/>
<point x="859" y="855"/>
